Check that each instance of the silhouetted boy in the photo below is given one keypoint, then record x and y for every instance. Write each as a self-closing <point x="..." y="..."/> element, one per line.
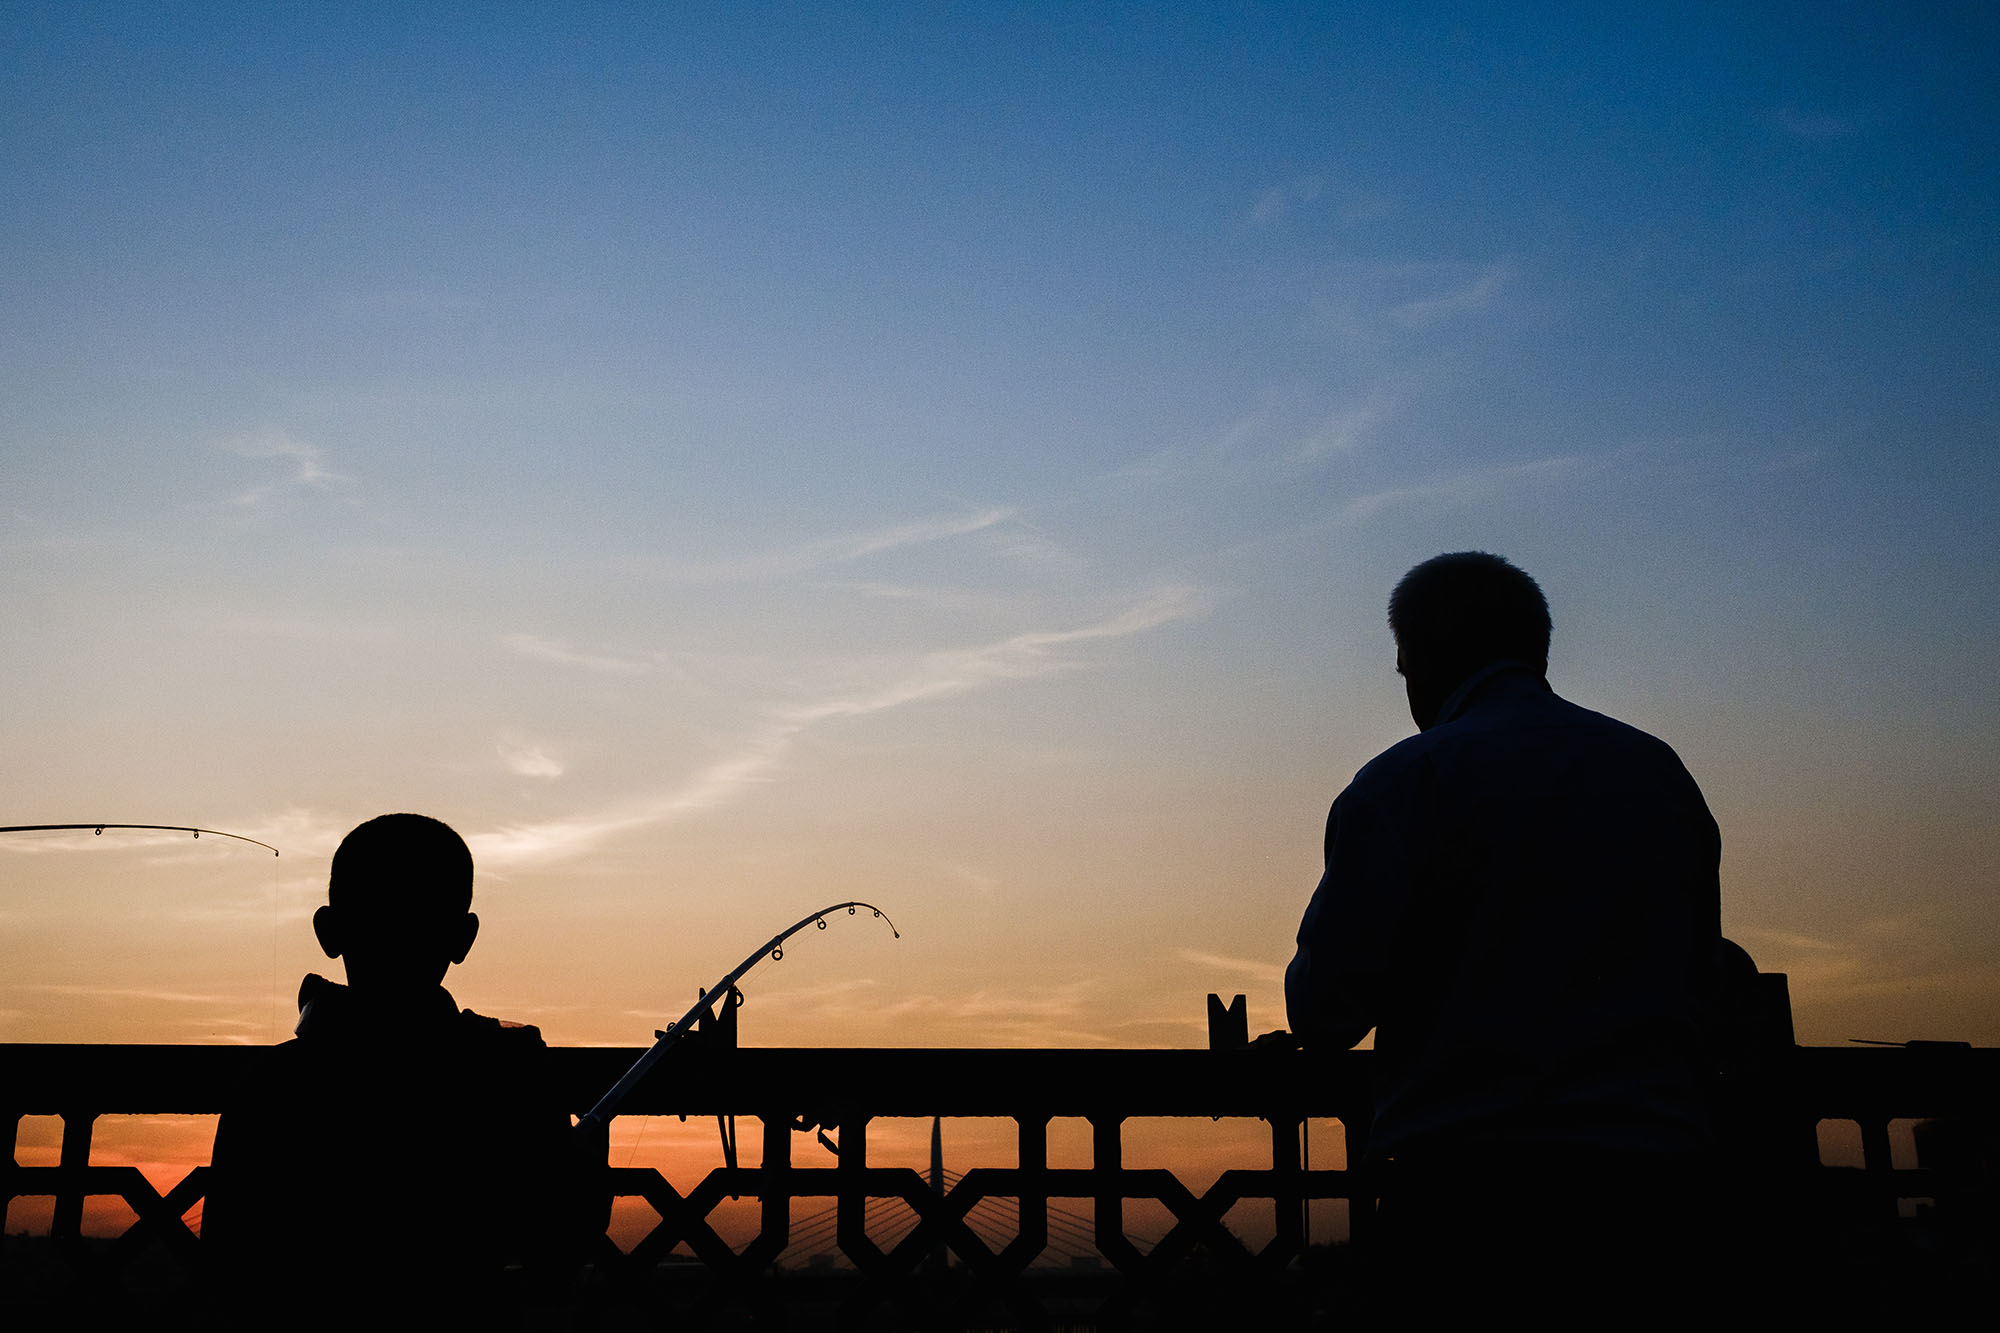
<point x="403" y="1151"/>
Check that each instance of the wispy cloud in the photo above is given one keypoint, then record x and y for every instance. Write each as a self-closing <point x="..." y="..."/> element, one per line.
<point x="307" y="461"/>
<point x="938" y="599"/>
<point x="525" y="760"/>
<point x="1373" y="304"/>
<point x="1466" y="298"/>
<point x="851" y="1003"/>
<point x="1347" y="203"/>
<point x="1274" y="203"/>
<point x="113" y="994"/>
<point x="788" y="561"/>
<point x="551" y="650"/>
<point x="1469" y="486"/>
<point x="1285" y="429"/>
<point x="1050" y="1015"/>
<point x="1261" y="970"/>
<point x="942" y="674"/>
<point x="1343" y="430"/>
<point x="297" y="832"/>
<point x="758" y="756"/>
<point x="1881" y="958"/>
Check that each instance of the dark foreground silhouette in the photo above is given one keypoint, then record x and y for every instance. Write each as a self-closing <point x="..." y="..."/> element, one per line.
<point x="404" y="1154"/>
<point x="1522" y="902"/>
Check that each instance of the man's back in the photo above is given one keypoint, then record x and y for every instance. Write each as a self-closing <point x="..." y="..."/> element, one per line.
<point x="1524" y="899"/>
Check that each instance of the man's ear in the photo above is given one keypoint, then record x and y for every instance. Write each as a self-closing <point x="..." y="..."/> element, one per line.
<point x="465" y="932"/>
<point x="326" y="926"/>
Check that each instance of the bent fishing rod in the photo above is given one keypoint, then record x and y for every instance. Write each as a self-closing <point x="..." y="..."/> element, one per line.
<point x="607" y="1105"/>
<point x="98" y="829"/>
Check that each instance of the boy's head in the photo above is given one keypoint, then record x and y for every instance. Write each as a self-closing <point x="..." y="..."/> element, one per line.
<point x="398" y="903"/>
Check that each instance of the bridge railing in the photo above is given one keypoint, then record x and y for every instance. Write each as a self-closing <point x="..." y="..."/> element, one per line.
<point x="1775" y="1106"/>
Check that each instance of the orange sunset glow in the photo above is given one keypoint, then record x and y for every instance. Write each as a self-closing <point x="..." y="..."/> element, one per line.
<point x="728" y="461"/>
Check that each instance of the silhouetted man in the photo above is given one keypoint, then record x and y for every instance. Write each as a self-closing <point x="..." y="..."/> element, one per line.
<point x="1522" y="902"/>
<point x="402" y="1151"/>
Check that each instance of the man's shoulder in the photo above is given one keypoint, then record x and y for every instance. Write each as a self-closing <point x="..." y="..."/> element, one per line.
<point x="1544" y="711"/>
<point x="1521" y="732"/>
<point x="1391" y="775"/>
<point x="1615" y="732"/>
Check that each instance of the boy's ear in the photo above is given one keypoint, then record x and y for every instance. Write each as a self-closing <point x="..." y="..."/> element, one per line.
<point x="464" y="932"/>
<point x="326" y="926"/>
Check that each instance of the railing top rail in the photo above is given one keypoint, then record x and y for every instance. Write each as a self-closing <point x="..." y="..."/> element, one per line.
<point x="1832" y="1082"/>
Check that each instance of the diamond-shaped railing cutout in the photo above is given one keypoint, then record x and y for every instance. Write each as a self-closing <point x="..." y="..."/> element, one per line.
<point x="994" y="1219"/>
<point x="107" y="1215"/>
<point x="632" y="1220"/>
<point x="1250" y="1223"/>
<point x="683" y="1164"/>
<point x="1191" y="1154"/>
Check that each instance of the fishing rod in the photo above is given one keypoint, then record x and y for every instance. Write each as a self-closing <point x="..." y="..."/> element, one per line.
<point x="607" y="1105"/>
<point x="98" y="829"/>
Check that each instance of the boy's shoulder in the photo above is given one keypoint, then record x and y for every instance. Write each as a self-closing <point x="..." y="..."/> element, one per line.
<point x="502" y="1035"/>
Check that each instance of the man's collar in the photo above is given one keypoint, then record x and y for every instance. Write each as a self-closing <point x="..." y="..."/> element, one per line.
<point x="1461" y="698"/>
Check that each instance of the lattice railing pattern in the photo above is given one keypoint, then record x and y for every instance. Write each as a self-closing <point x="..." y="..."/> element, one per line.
<point x="788" y="1089"/>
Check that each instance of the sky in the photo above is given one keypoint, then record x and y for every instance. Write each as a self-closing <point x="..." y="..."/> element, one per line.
<point x="730" y="459"/>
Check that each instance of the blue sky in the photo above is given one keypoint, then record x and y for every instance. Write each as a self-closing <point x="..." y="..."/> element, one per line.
<point x="726" y="458"/>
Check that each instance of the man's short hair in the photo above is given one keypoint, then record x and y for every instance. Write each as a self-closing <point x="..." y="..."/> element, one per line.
<point x="409" y="865"/>
<point x="1468" y="609"/>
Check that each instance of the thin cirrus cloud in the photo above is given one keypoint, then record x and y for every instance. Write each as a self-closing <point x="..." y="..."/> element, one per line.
<point x="1475" y="294"/>
<point x="1343" y="430"/>
<point x="308" y="463"/>
<point x="549" y="650"/>
<point x="1047" y="1015"/>
<point x="1376" y="304"/>
<point x="1261" y="970"/>
<point x="758" y="757"/>
<point x="116" y="994"/>
<point x="788" y="561"/>
<point x="525" y="760"/>
<point x="1274" y="203"/>
<point x="1284" y="431"/>
<point x="1471" y="485"/>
